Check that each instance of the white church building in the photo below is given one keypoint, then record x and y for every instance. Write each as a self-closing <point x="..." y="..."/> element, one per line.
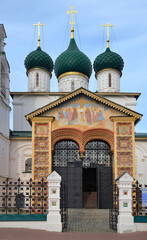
<point x="74" y="131"/>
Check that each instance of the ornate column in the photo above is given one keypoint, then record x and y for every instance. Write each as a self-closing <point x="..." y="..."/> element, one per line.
<point x="125" y="218"/>
<point x="54" y="217"/>
<point x="41" y="147"/>
<point x="124" y="146"/>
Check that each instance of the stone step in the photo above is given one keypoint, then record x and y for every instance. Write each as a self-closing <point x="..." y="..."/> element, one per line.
<point x="90" y="199"/>
<point x="87" y="211"/>
<point x="100" y="215"/>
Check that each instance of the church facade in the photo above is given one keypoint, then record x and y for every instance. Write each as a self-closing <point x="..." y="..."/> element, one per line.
<point x="87" y="137"/>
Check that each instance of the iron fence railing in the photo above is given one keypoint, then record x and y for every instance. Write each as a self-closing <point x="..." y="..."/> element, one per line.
<point x="23" y="197"/>
<point x="139" y="199"/>
<point x="64" y="218"/>
<point x="113" y="212"/>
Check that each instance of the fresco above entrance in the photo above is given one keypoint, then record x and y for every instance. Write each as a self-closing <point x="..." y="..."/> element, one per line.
<point x="82" y="113"/>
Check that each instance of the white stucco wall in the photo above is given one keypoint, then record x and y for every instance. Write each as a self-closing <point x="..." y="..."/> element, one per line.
<point x="4" y="156"/>
<point x="4" y="119"/>
<point x="24" y="104"/>
<point x="4" y="106"/>
<point x="20" y="151"/>
<point x="4" y="95"/>
<point x="126" y="101"/>
<point x="43" y="81"/>
<point x="103" y="81"/>
<point x="65" y="83"/>
<point x="141" y="161"/>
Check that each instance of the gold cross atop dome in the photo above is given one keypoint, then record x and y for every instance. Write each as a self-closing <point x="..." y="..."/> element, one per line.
<point x="38" y="24"/>
<point x="71" y="12"/>
<point x="107" y="25"/>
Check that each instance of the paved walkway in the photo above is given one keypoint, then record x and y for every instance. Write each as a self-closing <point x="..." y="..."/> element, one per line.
<point x="26" y="234"/>
<point x="91" y="226"/>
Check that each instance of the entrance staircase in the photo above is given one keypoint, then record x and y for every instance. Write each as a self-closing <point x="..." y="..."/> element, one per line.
<point x="88" y="220"/>
<point x="90" y="199"/>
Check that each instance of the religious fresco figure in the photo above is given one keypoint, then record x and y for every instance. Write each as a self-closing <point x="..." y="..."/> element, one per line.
<point x="88" y="116"/>
<point x="69" y="116"/>
<point x="60" y="115"/>
<point x="81" y="114"/>
<point x="100" y="117"/>
<point x="61" y="118"/>
<point x="94" y="115"/>
<point x="124" y="129"/>
<point x="41" y="130"/>
<point x="75" y="116"/>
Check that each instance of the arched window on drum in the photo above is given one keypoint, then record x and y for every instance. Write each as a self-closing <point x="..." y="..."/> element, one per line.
<point x="37" y="79"/>
<point x="110" y="80"/>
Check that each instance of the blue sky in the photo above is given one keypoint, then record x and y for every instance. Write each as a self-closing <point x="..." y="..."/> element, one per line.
<point x="128" y="38"/>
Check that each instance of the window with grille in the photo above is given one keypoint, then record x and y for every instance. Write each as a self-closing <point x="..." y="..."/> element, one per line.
<point x="28" y="165"/>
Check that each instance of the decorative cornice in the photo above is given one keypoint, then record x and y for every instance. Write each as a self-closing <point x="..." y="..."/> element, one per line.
<point x="72" y="73"/>
<point x="107" y="69"/>
<point x="136" y="95"/>
<point x="20" y="138"/>
<point x="39" y="69"/>
<point x="91" y="95"/>
<point x="29" y="138"/>
<point x="42" y="119"/>
<point x="140" y="138"/>
<point x="60" y="94"/>
<point x="123" y="118"/>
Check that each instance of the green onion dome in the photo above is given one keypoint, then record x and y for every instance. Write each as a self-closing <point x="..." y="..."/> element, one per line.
<point x="108" y="59"/>
<point x="38" y="59"/>
<point x="73" y="60"/>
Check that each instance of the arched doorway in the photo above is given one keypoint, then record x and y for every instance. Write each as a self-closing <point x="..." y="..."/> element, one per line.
<point x="92" y="172"/>
<point x="97" y="175"/>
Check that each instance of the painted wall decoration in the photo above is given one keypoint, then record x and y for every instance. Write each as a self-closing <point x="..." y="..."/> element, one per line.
<point x="83" y="113"/>
<point x="41" y="172"/>
<point x="41" y="150"/>
<point x="124" y="148"/>
<point x="41" y="143"/>
<point x="124" y="129"/>
<point x="125" y="159"/>
<point x="41" y="129"/>
<point x="124" y="143"/>
<point x="53" y="203"/>
<point x="41" y="158"/>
